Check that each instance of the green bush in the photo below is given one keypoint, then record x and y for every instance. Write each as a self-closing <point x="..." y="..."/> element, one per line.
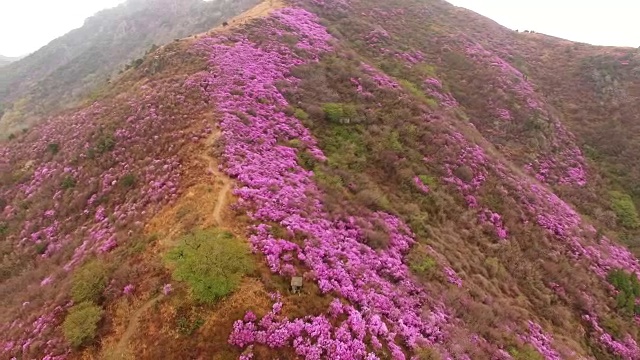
<point x="306" y="160"/>
<point x="346" y="147"/>
<point x="340" y="113"/>
<point x="377" y="239"/>
<point x="80" y="324"/>
<point x="4" y="228"/>
<point x="301" y="114"/>
<point x="53" y="148"/>
<point x="428" y="180"/>
<point x="212" y="262"/>
<point x="333" y="112"/>
<point x="625" y="209"/>
<point x="128" y="181"/>
<point x="68" y="182"/>
<point x="374" y="199"/>
<point x="89" y="282"/>
<point x="328" y="180"/>
<point x="426" y="70"/>
<point x="105" y="143"/>
<point x="628" y="291"/>
<point x="525" y="353"/>
<point x="422" y="265"/>
<point x="393" y="141"/>
<point x="414" y="90"/>
<point x="41" y="248"/>
<point x="428" y="354"/>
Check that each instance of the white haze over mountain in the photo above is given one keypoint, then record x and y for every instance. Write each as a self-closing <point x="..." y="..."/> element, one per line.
<point x="612" y="22"/>
<point x="27" y="25"/>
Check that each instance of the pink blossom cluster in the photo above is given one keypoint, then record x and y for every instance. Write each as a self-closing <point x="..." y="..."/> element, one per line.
<point x="626" y="349"/>
<point x="387" y="306"/>
<point x="504" y="114"/>
<point x="464" y="155"/>
<point x="541" y="341"/>
<point x="420" y="185"/>
<point x="166" y="289"/>
<point x="562" y="162"/>
<point x="433" y="88"/>
<point x="511" y="77"/>
<point x="411" y="57"/>
<point x="360" y="90"/>
<point x="380" y="78"/>
<point x="316" y="337"/>
<point x="377" y="36"/>
<point x="39" y="334"/>
<point x="128" y="289"/>
<point x="572" y="168"/>
<point x="452" y="277"/>
<point x="488" y="216"/>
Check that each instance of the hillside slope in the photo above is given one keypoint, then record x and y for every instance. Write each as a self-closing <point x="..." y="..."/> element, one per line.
<point x="434" y="200"/>
<point x="79" y="63"/>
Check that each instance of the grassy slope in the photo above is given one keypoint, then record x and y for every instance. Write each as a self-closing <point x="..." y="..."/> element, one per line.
<point x="591" y="88"/>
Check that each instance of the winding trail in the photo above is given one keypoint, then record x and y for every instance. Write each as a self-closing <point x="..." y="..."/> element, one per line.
<point x="121" y="347"/>
<point x="222" y="202"/>
<point x="260" y="10"/>
<point x="222" y="199"/>
<point x="212" y="168"/>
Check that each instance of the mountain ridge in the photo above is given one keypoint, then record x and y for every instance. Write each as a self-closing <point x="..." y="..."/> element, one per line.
<point x="83" y="61"/>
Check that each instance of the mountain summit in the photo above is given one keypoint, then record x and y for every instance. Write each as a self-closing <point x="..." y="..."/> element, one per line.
<point x="341" y="179"/>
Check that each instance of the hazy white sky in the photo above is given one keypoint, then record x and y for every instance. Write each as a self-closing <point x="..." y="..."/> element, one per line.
<point x="598" y="22"/>
<point x="27" y="25"/>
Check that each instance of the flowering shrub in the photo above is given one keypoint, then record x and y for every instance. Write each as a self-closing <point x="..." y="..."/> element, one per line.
<point x="541" y="341"/>
<point x="128" y="289"/>
<point x="420" y="185"/>
<point x="433" y="87"/>
<point x="626" y="349"/>
<point x="166" y="289"/>
<point x="377" y="36"/>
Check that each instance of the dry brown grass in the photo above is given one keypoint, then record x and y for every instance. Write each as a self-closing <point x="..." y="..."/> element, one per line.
<point x="261" y="10"/>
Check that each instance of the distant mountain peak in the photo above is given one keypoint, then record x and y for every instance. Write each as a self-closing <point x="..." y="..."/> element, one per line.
<point x="72" y="66"/>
